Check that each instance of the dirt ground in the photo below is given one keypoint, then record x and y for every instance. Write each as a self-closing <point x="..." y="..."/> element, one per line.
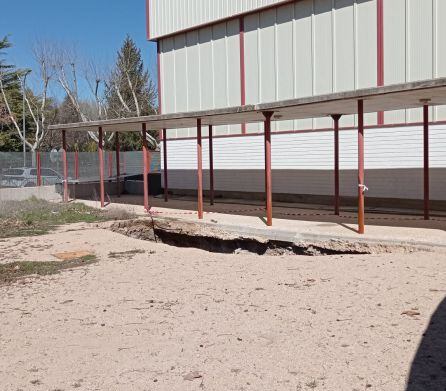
<point x="166" y="318"/>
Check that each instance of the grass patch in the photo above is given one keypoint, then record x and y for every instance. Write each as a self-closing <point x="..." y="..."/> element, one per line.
<point x="37" y="217"/>
<point x="11" y="272"/>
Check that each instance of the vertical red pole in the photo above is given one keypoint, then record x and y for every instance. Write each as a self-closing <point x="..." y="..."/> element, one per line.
<point x="165" y="172"/>
<point x="65" y="166"/>
<point x="118" y="164"/>
<point x="211" y="165"/>
<point x="426" y="162"/>
<point x="145" y="153"/>
<point x="336" y="118"/>
<point x="101" y="166"/>
<point x="39" y="169"/>
<point x="361" y="186"/>
<point x="76" y="165"/>
<point x="268" y="177"/>
<point x="200" y="169"/>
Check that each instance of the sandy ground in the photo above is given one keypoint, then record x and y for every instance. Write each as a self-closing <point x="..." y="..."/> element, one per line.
<point x="241" y="322"/>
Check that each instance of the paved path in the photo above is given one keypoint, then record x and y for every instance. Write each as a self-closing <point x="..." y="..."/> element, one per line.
<point x="297" y="221"/>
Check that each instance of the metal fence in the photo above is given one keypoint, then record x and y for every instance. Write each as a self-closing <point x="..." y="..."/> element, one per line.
<point x="82" y="166"/>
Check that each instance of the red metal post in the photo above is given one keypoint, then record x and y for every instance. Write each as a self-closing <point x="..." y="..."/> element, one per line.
<point x="336" y="118"/>
<point x="118" y="162"/>
<point x="65" y="166"/>
<point x="101" y="166"/>
<point x="268" y="176"/>
<point x="211" y="165"/>
<point x="145" y="153"/>
<point x="39" y="169"/>
<point x="149" y="160"/>
<point x="426" y="162"/>
<point x="199" y="170"/>
<point x="361" y="185"/>
<point x="76" y="164"/>
<point x="165" y="172"/>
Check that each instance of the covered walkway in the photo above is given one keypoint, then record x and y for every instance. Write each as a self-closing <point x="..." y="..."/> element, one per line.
<point x="402" y="96"/>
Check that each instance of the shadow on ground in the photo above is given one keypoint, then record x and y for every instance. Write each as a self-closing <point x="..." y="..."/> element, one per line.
<point x="428" y="370"/>
<point x="293" y="211"/>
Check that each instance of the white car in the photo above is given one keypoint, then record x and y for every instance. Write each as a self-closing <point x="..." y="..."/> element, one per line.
<point x="27" y="177"/>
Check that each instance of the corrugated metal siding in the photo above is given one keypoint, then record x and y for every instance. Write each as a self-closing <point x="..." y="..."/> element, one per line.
<point x="302" y="163"/>
<point x="170" y="16"/>
<point x="414" y="48"/>
<point x="310" y="47"/>
<point x="201" y="70"/>
<point x="304" y="48"/>
<point x="300" y="49"/>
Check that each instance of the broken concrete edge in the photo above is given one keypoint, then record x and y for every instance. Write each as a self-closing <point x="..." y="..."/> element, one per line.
<point x="265" y="236"/>
<point x="290" y="236"/>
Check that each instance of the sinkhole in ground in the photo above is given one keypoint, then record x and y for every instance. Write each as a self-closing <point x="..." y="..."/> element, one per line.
<point x="210" y="238"/>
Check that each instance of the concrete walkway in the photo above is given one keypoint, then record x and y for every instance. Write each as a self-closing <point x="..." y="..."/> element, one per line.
<point x="293" y="222"/>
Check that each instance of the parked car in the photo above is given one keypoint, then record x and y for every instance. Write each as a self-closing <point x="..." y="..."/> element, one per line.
<point x="27" y="177"/>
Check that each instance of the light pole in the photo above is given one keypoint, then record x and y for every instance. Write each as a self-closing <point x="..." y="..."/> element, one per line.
<point x="24" y="115"/>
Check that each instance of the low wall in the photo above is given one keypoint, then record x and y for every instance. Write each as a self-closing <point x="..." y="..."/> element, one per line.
<point x="48" y="193"/>
<point x="346" y="201"/>
<point x="303" y="164"/>
<point x="131" y="185"/>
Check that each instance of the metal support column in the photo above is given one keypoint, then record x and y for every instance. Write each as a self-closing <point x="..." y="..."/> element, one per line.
<point x="426" y="162"/>
<point x="101" y="166"/>
<point x="361" y="185"/>
<point x="39" y="168"/>
<point x="118" y="167"/>
<point x="211" y="165"/>
<point x="65" y="166"/>
<point x="268" y="176"/>
<point x="336" y="118"/>
<point x="166" y="183"/>
<point x="145" y="153"/>
<point x="199" y="169"/>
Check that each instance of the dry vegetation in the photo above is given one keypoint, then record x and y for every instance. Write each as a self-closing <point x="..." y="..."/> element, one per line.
<point x="13" y="271"/>
<point x="37" y="217"/>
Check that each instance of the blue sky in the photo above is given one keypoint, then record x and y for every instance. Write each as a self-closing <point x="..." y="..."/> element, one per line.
<point x="96" y="28"/>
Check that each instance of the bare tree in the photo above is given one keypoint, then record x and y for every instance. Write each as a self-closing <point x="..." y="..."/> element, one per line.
<point x="96" y="82"/>
<point x="71" y="73"/>
<point x="37" y="104"/>
<point x="66" y="64"/>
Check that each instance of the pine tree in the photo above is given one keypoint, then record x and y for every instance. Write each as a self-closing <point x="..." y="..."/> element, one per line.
<point x="130" y="91"/>
<point x="8" y="72"/>
<point x="9" y="141"/>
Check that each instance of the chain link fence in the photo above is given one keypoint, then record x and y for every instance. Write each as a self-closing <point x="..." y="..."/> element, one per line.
<point x="15" y="171"/>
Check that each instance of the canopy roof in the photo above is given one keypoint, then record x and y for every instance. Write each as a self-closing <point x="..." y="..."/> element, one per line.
<point x="394" y="97"/>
